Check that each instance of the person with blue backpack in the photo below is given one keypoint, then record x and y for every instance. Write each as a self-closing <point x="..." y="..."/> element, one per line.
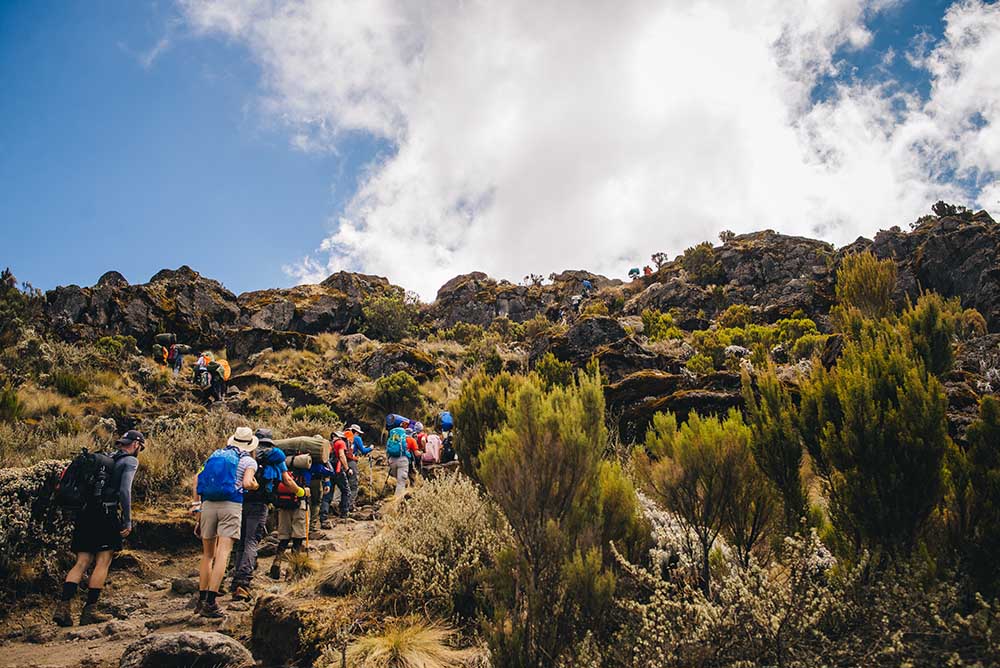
<point x="357" y="449"/>
<point x="399" y="461"/>
<point x="271" y="472"/>
<point x="219" y="487"/>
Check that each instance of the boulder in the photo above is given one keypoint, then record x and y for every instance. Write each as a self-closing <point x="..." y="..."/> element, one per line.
<point x="392" y="357"/>
<point x="290" y="631"/>
<point x="581" y="340"/>
<point x="245" y="342"/>
<point x="351" y="342"/>
<point x="186" y="649"/>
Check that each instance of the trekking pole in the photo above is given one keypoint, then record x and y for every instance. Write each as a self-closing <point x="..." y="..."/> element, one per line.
<point x="308" y="528"/>
<point x="371" y="478"/>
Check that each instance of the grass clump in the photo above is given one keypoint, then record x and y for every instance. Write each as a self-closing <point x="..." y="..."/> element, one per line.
<point x="11" y="407"/>
<point x="70" y="383"/>
<point x="414" y="643"/>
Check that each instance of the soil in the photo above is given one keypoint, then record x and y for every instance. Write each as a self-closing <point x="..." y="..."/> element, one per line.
<point x="140" y="594"/>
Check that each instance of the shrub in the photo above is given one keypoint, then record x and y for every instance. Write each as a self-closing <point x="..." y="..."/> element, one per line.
<point x="595" y="308"/>
<point x="536" y="327"/>
<point x="702" y="265"/>
<point x="809" y="345"/>
<point x="413" y="643"/>
<point x="481" y="407"/>
<point x="463" y="332"/>
<point x="775" y="441"/>
<point x="931" y="326"/>
<point x="438" y="568"/>
<point x="264" y="400"/>
<point x="69" y="383"/>
<point x="704" y="472"/>
<point x="18" y="307"/>
<point x="114" y="346"/>
<point x="553" y="371"/>
<point x="387" y="316"/>
<point x="10" y="405"/>
<point x="867" y="284"/>
<point x="700" y="365"/>
<point x="398" y="393"/>
<point x="320" y="413"/>
<point x="555" y="585"/>
<point x="876" y="429"/>
<point x="737" y="315"/>
<point x="659" y="326"/>
<point x="507" y="329"/>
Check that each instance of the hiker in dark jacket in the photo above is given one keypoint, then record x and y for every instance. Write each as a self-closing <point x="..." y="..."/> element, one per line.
<point x="357" y="449"/>
<point x="99" y="532"/>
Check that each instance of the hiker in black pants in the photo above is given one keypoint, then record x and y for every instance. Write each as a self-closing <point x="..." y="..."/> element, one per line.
<point x="99" y="532"/>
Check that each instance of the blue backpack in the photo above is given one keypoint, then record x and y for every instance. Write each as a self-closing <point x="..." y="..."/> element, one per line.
<point x="270" y="466"/>
<point x="217" y="480"/>
<point x="447" y="423"/>
<point x="396" y="445"/>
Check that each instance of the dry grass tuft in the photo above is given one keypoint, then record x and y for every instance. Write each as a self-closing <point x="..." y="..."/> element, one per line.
<point x="38" y="402"/>
<point x="412" y="643"/>
<point x="300" y="565"/>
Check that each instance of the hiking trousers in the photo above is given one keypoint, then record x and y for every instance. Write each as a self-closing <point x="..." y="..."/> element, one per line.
<point x="340" y="480"/>
<point x="352" y="482"/>
<point x="253" y="531"/>
<point x="399" y="468"/>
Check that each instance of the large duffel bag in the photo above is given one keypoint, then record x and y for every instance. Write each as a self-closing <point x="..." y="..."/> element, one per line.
<point x="183" y="349"/>
<point x="316" y="446"/>
<point x="392" y="421"/>
<point x="166" y="339"/>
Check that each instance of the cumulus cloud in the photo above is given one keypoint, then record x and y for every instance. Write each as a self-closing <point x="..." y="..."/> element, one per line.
<point x="535" y="136"/>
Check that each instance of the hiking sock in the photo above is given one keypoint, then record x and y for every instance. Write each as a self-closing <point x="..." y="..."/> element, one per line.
<point x="92" y="595"/>
<point x="297" y="544"/>
<point x="69" y="591"/>
<point x="202" y="594"/>
<point x="210" y="597"/>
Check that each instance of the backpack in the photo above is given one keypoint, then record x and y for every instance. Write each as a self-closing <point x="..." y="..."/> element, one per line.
<point x="285" y="498"/>
<point x="83" y="482"/>
<point x="448" y="450"/>
<point x="447" y="423"/>
<point x="432" y="450"/>
<point x="396" y="445"/>
<point x="268" y="475"/>
<point x="217" y="481"/>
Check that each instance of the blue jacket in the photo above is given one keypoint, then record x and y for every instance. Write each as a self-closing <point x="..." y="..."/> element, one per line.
<point x="359" y="446"/>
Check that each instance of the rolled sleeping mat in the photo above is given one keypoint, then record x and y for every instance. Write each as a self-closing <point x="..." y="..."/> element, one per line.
<point x="166" y="339"/>
<point x="392" y="421"/>
<point x="301" y="462"/>
<point x="158" y="352"/>
<point x="315" y="446"/>
<point x="183" y="349"/>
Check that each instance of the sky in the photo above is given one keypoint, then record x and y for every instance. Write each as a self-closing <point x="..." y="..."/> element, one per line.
<point x="270" y="143"/>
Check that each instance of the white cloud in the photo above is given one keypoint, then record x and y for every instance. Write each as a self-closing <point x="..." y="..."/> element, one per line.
<point x="535" y="136"/>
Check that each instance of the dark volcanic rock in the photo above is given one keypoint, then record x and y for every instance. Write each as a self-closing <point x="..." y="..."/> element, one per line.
<point x="582" y="340"/>
<point x="186" y="649"/>
<point x="199" y="310"/>
<point x="282" y="629"/>
<point x="245" y="342"/>
<point x="393" y="357"/>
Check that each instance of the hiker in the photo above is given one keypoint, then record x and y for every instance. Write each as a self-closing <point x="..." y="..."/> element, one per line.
<point x="219" y="488"/>
<point x="353" y="435"/>
<point x="291" y="501"/>
<point x="586" y="288"/>
<point x="175" y="359"/>
<point x="99" y="528"/>
<point x="341" y="471"/>
<point x="448" y="449"/>
<point x="271" y="471"/>
<point x="320" y="497"/>
<point x="414" y="454"/>
<point x="647" y="271"/>
<point x="399" y="462"/>
<point x="633" y="273"/>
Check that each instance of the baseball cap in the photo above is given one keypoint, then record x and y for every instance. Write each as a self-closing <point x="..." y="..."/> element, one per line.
<point x="130" y="437"/>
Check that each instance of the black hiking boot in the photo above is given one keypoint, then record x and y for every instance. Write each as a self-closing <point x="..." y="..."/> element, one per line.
<point x="91" y="615"/>
<point x="63" y="614"/>
<point x="211" y="610"/>
<point x="275" y="572"/>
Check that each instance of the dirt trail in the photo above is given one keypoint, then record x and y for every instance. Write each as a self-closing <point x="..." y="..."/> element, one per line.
<point x="140" y="595"/>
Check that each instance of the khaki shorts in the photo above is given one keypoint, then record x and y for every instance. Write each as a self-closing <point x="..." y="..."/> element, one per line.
<point x="221" y="518"/>
<point x="292" y="523"/>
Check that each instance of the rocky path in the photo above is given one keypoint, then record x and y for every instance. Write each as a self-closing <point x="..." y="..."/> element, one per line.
<point x="151" y="591"/>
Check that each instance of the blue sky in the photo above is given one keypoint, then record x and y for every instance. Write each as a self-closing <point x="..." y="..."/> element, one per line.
<point x="139" y="135"/>
<point x="107" y="164"/>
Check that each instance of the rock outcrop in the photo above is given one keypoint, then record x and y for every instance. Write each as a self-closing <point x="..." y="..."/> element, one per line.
<point x="186" y="649"/>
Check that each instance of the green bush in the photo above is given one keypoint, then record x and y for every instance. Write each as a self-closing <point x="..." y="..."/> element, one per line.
<point x="320" y="413"/>
<point x="808" y="345"/>
<point x="507" y="329"/>
<point x="18" y="308"/>
<point x="10" y="405"/>
<point x="737" y="315"/>
<point x="876" y="429"/>
<point x="931" y="325"/>
<point x="463" y="332"/>
<point x="595" y="308"/>
<point x="387" y="315"/>
<point x="867" y="284"/>
<point x="554" y="372"/>
<point x="480" y="408"/>
<point x="398" y="393"/>
<point x="702" y="265"/>
<point x="69" y="383"/>
<point x="556" y="584"/>
<point x="700" y="365"/>
<point x="659" y="326"/>
<point x="114" y="346"/>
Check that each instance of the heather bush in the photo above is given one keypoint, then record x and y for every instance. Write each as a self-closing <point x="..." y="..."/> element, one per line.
<point x="507" y="329"/>
<point x="481" y="407"/>
<point x="702" y="265"/>
<point x="11" y="407"/>
<point x="866" y="283"/>
<point x="553" y="371"/>
<point x="398" y="393"/>
<point x="112" y="347"/>
<point x="930" y="326"/>
<point x="659" y="326"/>
<point x="462" y="332"/>
<point x="69" y="383"/>
<point x="437" y="568"/>
<point x="737" y="315"/>
<point x="387" y="316"/>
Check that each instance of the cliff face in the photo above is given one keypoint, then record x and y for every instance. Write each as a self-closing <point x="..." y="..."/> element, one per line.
<point x="776" y="275"/>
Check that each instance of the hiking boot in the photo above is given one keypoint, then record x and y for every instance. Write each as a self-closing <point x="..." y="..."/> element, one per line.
<point x="325" y="524"/>
<point x="241" y="594"/>
<point x="275" y="572"/>
<point x="211" y="610"/>
<point x="63" y="614"/>
<point x="198" y="602"/>
<point x="91" y="615"/>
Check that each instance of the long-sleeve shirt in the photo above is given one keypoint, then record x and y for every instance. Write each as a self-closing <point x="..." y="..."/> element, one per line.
<point x="359" y="446"/>
<point x="122" y="476"/>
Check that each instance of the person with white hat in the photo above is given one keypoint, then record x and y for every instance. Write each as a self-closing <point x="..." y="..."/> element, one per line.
<point x="357" y="449"/>
<point x="220" y="485"/>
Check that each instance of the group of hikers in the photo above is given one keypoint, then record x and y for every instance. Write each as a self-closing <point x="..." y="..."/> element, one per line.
<point x="209" y="373"/>
<point x="307" y="481"/>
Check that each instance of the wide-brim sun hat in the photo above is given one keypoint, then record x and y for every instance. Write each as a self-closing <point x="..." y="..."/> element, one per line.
<point x="243" y="439"/>
<point x="356" y="429"/>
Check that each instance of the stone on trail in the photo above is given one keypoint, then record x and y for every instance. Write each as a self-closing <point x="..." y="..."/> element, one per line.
<point x="183" y="586"/>
<point x="187" y="649"/>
